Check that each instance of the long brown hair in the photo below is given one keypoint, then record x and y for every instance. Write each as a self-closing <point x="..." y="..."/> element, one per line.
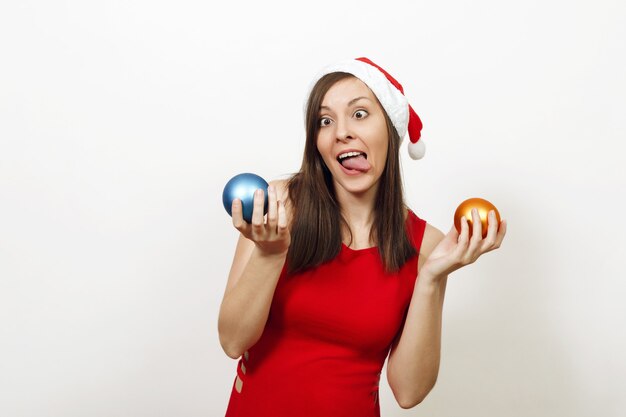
<point x="317" y="222"/>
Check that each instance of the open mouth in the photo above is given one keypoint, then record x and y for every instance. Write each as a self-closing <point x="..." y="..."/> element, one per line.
<point x="354" y="160"/>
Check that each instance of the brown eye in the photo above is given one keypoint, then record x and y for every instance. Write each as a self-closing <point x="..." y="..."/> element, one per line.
<point x="324" y="121"/>
<point x="360" y="114"/>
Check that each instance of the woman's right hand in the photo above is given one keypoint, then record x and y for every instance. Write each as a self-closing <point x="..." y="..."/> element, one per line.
<point x="271" y="236"/>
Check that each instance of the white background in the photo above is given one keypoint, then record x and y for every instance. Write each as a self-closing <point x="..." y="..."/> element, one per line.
<point x="121" y="121"/>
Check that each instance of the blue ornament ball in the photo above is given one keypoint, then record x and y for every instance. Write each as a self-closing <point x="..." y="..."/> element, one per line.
<point x="243" y="186"/>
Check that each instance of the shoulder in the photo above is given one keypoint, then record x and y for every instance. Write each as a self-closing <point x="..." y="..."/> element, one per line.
<point x="432" y="237"/>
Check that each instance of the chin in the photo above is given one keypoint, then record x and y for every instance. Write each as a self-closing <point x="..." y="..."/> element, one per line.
<point x="356" y="185"/>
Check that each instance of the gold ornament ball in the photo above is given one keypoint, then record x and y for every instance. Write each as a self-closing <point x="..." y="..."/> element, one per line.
<point x="465" y="209"/>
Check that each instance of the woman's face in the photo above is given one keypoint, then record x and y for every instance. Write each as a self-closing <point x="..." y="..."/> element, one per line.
<point x="353" y="138"/>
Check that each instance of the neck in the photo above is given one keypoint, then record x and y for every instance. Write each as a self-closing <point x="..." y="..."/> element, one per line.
<point x="357" y="209"/>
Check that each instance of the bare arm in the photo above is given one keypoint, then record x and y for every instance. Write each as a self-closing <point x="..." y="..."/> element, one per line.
<point x="414" y="359"/>
<point x="259" y="257"/>
<point x="413" y="363"/>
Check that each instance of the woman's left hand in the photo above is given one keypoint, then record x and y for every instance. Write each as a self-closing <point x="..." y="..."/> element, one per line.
<point x="457" y="250"/>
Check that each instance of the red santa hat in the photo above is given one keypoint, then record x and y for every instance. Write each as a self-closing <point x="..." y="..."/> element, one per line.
<point x="390" y="94"/>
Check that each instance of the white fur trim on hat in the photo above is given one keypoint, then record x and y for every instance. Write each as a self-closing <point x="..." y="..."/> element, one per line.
<point x="393" y="101"/>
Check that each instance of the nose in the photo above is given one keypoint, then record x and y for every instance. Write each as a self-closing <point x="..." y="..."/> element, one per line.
<point x="343" y="132"/>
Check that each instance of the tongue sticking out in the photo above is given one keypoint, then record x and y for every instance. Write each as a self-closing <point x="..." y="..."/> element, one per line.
<point x="358" y="163"/>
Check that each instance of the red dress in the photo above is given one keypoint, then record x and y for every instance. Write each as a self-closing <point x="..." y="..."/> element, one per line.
<point x="327" y="336"/>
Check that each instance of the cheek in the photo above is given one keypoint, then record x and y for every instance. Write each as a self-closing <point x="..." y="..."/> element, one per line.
<point x="320" y="148"/>
<point x="382" y="160"/>
<point x="323" y="145"/>
<point x="381" y="133"/>
<point x="383" y="147"/>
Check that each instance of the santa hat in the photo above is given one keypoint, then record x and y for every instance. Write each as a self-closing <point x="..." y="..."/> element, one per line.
<point x="390" y="94"/>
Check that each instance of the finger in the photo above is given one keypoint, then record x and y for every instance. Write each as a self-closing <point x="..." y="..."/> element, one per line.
<point x="237" y="215"/>
<point x="282" y="220"/>
<point x="492" y="230"/>
<point x="489" y="242"/>
<point x="272" y="212"/>
<point x="464" y="236"/>
<point x="475" y="240"/>
<point x="501" y="233"/>
<point x="257" y="211"/>
<point x="461" y="247"/>
<point x="477" y="227"/>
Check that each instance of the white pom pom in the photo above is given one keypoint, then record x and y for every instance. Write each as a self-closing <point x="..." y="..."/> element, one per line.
<point x="417" y="150"/>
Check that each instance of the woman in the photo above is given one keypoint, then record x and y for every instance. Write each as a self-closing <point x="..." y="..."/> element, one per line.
<point x="325" y="288"/>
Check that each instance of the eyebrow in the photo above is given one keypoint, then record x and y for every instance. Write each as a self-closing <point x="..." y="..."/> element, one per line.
<point x="350" y="103"/>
